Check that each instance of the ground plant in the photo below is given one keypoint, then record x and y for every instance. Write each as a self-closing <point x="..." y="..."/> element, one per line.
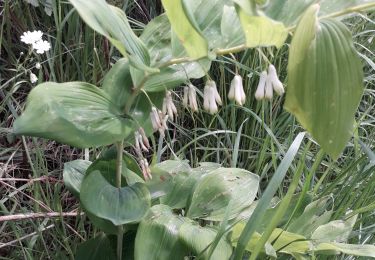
<point x="223" y="129"/>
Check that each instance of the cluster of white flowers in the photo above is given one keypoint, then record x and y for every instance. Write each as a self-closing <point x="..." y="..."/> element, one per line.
<point x="146" y="171"/>
<point x="141" y="141"/>
<point x="35" y="40"/>
<point x="268" y="83"/>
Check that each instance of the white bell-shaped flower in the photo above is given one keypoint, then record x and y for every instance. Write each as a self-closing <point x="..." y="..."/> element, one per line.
<point x="155" y="119"/>
<point x="141" y="140"/>
<point x="236" y="91"/>
<point x="260" y="92"/>
<point x="274" y="79"/>
<point x="190" y="97"/>
<point x="169" y="107"/>
<point x="211" y="97"/>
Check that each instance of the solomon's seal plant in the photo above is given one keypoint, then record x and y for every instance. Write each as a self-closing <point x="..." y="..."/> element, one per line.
<point x="169" y="210"/>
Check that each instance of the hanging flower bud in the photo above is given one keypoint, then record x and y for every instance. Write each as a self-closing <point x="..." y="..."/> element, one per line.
<point x="169" y="107"/>
<point x="236" y="92"/>
<point x="268" y="94"/>
<point x="146" y="171"/>
<point x="155" y="119"/>
<point x="193" y="98"/>
<point x="274" y="79"/>
<point x="37" y="66"/>
<point x="186" y="96"/>
<point x="259" y="93"/>
<point x="211" y="97"/>
<point x="144" y="137"/>
<point x="163" y="119"/>
<point x="141" y="141"/>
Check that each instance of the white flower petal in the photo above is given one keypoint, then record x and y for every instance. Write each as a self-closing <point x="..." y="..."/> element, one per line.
<point x="259" y="93"/>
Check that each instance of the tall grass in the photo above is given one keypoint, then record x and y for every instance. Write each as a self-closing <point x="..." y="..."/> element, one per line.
<point x="255" y="136"/>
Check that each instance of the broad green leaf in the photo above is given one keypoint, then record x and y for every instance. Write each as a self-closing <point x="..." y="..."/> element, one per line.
<point x="324" y="81"/>
<point x="230" y="20"/>
<point x="198" y="239"/>
<point x="314" y="215"/>
<point x="157" y="37"/>
<point x="98" y="248"/>
<point x="289" y="11"/>
<point x="74" y="113"/>
<point x="112" y="23"/>
<point x="236" y="233"/>
<point x="194" y="43"/>
<point x="73" y="174"/>
<point x="183" y="185"/>
<point x="349" y="249"/>
<point x="287" y="242"/>
<point x="157" y="235"/>
<point x="119" y="205"/>
<point x="119" y="86"/>
<point x="216" y="190"/>
<point x="334" y="231"/>
<point x="261" y="31"/>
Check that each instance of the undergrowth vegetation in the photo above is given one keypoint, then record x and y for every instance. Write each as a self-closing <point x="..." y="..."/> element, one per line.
<point x="312" y="194"/>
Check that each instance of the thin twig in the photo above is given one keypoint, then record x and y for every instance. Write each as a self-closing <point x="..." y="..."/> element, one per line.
<point x="18" y="217"/>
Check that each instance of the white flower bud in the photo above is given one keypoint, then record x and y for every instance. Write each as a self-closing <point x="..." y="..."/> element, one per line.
<point x="211" y="97"/>
<point x="146" y="171"/>
<point x="236" y="92"/>
<point x="37" y="66"/>
<point x="274" y="79"/>
<point x="186" y="96"/>
<point x="269" y="90"/>
<point x="155" y="119"/>
<point x="169" y="107"/>
<point x="193" y="98"/>
<point x="33" y="78"/>
<point x="259" y="93"/>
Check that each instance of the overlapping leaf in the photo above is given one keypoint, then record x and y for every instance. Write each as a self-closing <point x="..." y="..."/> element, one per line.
<point x="74" y="113"/>
<point x="325" y="81"/>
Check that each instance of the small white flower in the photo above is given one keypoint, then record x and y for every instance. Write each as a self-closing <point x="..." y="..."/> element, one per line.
<point x="211" y="97"/>
<point x="190" y="97"/>
<point x="37" y="66"/>
<point x="236" y="92"/>
<point x="41" y="46"/>
<point x="33" y="78"/>
<point x="169" y="107"/>
<point x="259" y="93"/>
<point x="274" y="79"/>
<point x="31" y="37"/>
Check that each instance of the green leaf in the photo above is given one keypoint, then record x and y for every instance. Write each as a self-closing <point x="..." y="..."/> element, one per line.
<point x="324" y="81"/>
<point x="334" y="248"/>
<point x="261" y="31"/>
<point x="112" y="23"/>
<point x="252" y="243"/>
<point x="289" y="11"/>
<point x="314" y="215"/>
<point x="98" y="248"/>
<point x="182" y="24"/>
<point x="74" y="113"/>
<point x="287" y="242"/>
<point x="157" y="235"/>
<point x="216" y="190"/>
<point x="183" y="183"/>
<point x="73" y="174"/>
<point x="198" y="239"/>
<point x="119" y="205"/>
<point x="157" y="37"/>
<point x="334" y="231"/>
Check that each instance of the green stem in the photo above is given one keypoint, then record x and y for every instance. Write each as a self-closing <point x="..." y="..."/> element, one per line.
<point x="120" y="230"/>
